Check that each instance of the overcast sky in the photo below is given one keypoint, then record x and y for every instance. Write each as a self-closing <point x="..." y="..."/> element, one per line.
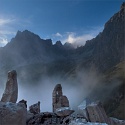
<point x="65" y="20"/>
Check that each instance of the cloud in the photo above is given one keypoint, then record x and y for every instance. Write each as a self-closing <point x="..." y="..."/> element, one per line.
<point x="5" y="21"/>
<point x="58" y="35"/>
<point x="9" y="24"/>
<point x="6" y="29"/>
<point x="78" y="40"/>
<point x="3" y="42"/>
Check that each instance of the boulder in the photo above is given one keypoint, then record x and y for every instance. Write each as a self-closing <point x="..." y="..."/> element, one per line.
<point x="24" y="102"/>
<point x="64" y="111"/>
<point x="35" y="108"/>
<point x="114" y="121"/>
<point x="11" y="91"/>
<point x="12" y="113"/>
<point x="82" y="110"/>
<point x="97" y="113"/>
<point x="29" y="115"/>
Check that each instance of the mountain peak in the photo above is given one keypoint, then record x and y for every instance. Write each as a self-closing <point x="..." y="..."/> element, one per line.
<point x="123" y="6"/>
<point x="58" y="43"/>
<point x="23" y="32"/>
<point x="26" y="35"/>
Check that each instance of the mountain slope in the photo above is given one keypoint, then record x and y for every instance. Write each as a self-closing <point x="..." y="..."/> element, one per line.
<point x="111" y="91"/>
<point x="107" y="49"/>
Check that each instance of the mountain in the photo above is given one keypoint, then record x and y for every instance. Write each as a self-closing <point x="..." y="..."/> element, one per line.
<point x="35" y="59"/>
<point x="107" y="49"/>
<point x="111" y="91"/>
<point x="104" y="51"/>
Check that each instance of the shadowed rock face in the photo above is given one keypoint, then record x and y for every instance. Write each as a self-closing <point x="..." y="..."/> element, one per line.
<point x="35" y="108"/>
<point x="12" y="113"/>
<point x="24" y="102"/>
<point x="59" y="100"/>
<point x="11" y="91"/>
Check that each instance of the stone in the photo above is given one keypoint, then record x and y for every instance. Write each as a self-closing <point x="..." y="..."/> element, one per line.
<point x="114" y="121"/>
<point x="44" y="118"/>
<point x="11" y="91"/>
<point x="97" y="113"/>
<point x="59" y="100"/>
<point x="35" y="108"/>
<point x="12" y="113"/>
<point x="63" y="101"/>
<point x="29" y="115"/>
<point x="24" y="102"/>
<point x="64" y="111"/>
<point x="82" y="109"/>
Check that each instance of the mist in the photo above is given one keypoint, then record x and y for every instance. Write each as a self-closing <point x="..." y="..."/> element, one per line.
<point x="76" y="89"/>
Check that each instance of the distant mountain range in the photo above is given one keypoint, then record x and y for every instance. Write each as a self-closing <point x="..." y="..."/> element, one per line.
<point x="104" y="51"/>
<point x="38" y="57"/>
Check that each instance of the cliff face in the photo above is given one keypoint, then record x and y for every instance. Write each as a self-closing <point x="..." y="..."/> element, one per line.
<point x="107" y="49"/>
<point x="110" y="45"/>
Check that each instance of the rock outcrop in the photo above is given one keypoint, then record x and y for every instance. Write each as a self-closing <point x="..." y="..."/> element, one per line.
<point x="97" y="113"/>
<point x="11" y="91"/>
<point x="12" y="113"/>
<point x="24" y="102"/>
<point x="35" y="108"/>
<point x="94" y="113"/>
<point x="59" y="100"/>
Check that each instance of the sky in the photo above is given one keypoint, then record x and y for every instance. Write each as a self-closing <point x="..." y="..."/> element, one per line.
<point x="73" y="21"/>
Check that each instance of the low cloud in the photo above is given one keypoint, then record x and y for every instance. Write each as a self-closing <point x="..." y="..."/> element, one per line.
<point x="78" y="40"/>
<point x="3" y="42"/>
<point x="75" y="89"/>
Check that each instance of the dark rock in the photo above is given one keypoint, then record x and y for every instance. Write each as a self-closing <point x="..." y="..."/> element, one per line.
<point x="59" y="100"/>
<point x="24" y="102"/>
<point x="97" y="113"/>
<point x="58" y="44"/>
<point x="11" y="91"/>
<point x="35" y="108"/>
<point x="114" y="121"/>
<point x="123" y="6"/>
<point x="12" y="113"/>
